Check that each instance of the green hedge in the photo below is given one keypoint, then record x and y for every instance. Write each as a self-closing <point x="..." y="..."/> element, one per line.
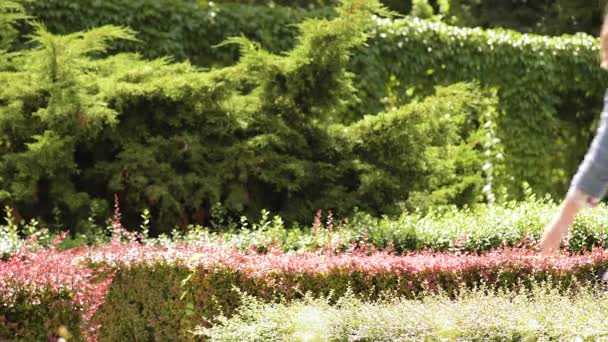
<point x="159" y="293"/>
<point x="544" y="123"/>
<point x="551" y="17"/>
<point x="549" y="88"/>
<point x="182" y="29"/>
<point x="40" y="317"/>
<point x="151" y="302"/>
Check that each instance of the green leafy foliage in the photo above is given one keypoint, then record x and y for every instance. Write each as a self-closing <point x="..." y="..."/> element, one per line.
<point x="421" y="9"/>
<point x="478" y="230"/>
<point x="148" y="297"/>
<point x="423" y="154"/>
<point x="51" y="108"/>
<point x="475" y="315"/>
<point x="180" y="29"/>
<point x="35" y="317"/>
<point x="544" y="119"/>
<point x="268" y="132"/>
<point x="550" y="17"/>
<point x="532" y="74"/>
<point x="10" y="12"/>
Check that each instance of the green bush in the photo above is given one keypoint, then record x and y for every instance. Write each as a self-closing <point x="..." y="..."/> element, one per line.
<point x="267" y="132"/>
<point x="10" y="12"/>
<point x="40" y="317"/>
<point x="147" y="298"/>
<point x="423" y="154"/>
<point x="550" y="17"/>
<point x="549" y="89"/>
<point x="544" y="119"/>
<point x="144" y="304"/>
<point x="473" y="316"/>
<point x="478" y="230"/>
<point x="183" y="29"/>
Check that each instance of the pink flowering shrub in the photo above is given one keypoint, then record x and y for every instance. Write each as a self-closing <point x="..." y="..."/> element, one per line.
<point x="46" y="291"/>
<point x="123" y="291"/>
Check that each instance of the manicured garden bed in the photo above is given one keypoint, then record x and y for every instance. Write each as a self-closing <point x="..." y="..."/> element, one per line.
<point x="157" y="292"/>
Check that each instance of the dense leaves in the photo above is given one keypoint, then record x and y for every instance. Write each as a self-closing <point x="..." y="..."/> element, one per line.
<point x="479" y="230"/>
<point x="163" y="292"/>
<point x="268" y="132"/>
<point x="180" y="29"/>
<point x="550" y="17"/>
<point x="472" y="316"/>
<point x="541" y="127"/>
<point x="549" y="88"/>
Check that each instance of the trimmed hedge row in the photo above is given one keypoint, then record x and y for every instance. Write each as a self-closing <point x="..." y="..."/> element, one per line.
<point x="182" y="29"/>
<point x="554" y="17"/>
<point x="47" y="293"/>
<point x="288" y="276"/>
<point x="162" y="293"/>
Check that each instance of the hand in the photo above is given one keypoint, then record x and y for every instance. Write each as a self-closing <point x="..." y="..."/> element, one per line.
<point x="604" y="45"/>
<point x="552" y="236"/>
<point x="554" y="231"/>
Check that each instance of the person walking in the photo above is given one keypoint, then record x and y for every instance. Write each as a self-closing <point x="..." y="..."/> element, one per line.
<point x="590" y="182"/>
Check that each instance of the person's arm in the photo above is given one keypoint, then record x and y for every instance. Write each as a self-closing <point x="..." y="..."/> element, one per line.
<point x="556" y="229"/>
<point x="604" y="44"/>
<point x="591" y="180"/>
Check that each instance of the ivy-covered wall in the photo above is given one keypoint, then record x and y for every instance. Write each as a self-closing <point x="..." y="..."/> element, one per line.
<point x="550" y="89"/>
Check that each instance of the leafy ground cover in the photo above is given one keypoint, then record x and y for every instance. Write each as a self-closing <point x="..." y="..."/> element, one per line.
<point x="486" y="227"/>
<point x="474" y="315"/>
<point x="155" y="291"/>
